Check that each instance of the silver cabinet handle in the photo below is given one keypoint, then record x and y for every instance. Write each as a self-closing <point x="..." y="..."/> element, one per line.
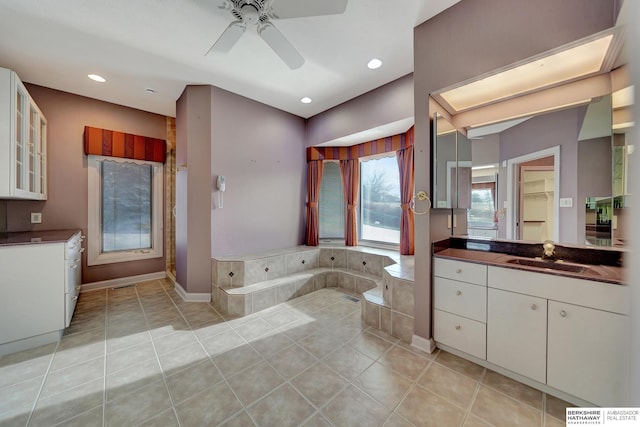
<point x="534" y="307"/>
<point x="563" y="313"/>
<point x="74" y="266"/>
<point x="458" y="293"/>
<point x="81" y="250"/>
<point x="458" y="327"/>
<point x="74" y="298"/>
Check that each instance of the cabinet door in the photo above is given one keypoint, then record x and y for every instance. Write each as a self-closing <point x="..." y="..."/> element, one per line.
<point x="517" y="333"/>
<point x="589" y="353"/>
<point x="20" y="143"/>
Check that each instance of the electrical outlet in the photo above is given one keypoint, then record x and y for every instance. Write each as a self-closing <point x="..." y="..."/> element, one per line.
<point x="566" y="202"/>
<point x="36" y="217"/>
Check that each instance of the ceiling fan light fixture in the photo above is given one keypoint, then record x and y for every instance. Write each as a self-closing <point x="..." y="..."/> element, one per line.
<point x="306" y="100"/>
<point x="97" y="78"/>
<point x="374" y="64"/>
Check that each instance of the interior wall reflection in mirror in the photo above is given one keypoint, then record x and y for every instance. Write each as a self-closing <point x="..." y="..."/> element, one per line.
<point x="582" y="125"/>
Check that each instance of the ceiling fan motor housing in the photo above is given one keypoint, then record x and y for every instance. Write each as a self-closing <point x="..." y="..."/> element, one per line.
<point x="250" y="11"/>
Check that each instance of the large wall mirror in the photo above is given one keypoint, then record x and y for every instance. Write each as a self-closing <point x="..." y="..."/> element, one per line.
<point x="549" y="163"/>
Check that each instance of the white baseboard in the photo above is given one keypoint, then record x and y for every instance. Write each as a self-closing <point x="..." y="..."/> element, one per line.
<point x="426" y="345"/>
<point x="191" y="296"/>
<point x="123" y="281"/>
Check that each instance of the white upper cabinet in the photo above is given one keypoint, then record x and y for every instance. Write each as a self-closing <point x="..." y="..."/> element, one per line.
<point x="23" y="142"/>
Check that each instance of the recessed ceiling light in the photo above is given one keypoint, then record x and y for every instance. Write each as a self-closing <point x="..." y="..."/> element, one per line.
<point x="97" y="78"/>
<point x="306" y="100"/>
<point x="374" y="63"/>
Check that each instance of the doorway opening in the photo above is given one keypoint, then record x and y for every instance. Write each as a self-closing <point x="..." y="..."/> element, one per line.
<point x="533" y="196"/>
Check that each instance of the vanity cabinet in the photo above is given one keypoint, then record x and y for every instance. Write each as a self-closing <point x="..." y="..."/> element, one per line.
<point x="41" y="283"/>
<point x="23" y="142"/>
<point x="459" y="315"/>
<point x="517" y="333"/>
<point x="588" y="353"/>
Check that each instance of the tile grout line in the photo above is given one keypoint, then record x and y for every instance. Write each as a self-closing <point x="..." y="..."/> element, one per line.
<point x="44" y="379"/>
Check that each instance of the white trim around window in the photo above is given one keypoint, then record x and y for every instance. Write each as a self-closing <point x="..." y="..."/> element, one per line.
<point x="95" y="256"/>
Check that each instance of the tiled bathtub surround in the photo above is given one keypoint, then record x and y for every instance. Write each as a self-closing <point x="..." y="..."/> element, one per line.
<point x="142" y="356"/>
<point x="248" y="284"/>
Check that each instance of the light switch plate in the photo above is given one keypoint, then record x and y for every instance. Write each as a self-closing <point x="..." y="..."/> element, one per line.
<point x="566" y="202"/>
<point x="36" y="217"/>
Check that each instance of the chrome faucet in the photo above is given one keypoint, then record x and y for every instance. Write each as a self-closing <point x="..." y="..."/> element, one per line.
<point x="549" y="250"/>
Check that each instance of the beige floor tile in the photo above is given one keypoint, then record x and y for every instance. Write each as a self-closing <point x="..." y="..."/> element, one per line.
<point x="236" y="360"/>
<point x="78" y="348"/>
<point x="73" y="376"/>
<point x="473" y="421"/>
<point x="253" y="329"/>
<point x="16" y="417"/>
<point x="252" y="384"/>
<point x="149" y="401"/>
<point x="241" y="419"/>
<point x="167" y="343"/>
<point x="317" y="420"/>
<point x="405" y="362"/>
<point x="63" y="406"/>
<point x="163" y="315"/>
<point x="19" y="395"/>
<point x="514" y="389"/>
<point x="348" y="362"/>
<point x="291" y="361"/>
<point x="271" y="343"/>
<point x="352" y="408"/>
<point x="385" y="385"/>
<point x="182" y="358"/>
<point x="300" y="329"/>
<point x="369" y="344"/>
<point x="319" y="383"/>
<point x="24" y="365"/>
<point x="500" y="410"/>
<point x="449" y="384"/>
<point x="92" y="417"/>
<point x="219" y="344"/>
<point x="320" y="345"/>
<point x="132" y="378"/>
<point x="556" y="407"/>
<point x="130" y="356"/>
<point x="167" y="327"/>
<point x="424" y="408"/>
<point x="204" y="317"/>
<point x="210" y="407"/>
<point x="283" y="407"/>
<point x="459" y="364"/>
<point x="396" y="420"/>
<point x="125" y="335"/>
<point x="281" y="317"/>
<point x="211" y="329"/>
<point x="192" y="380"/>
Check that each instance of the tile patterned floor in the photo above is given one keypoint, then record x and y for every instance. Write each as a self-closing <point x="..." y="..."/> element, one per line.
<point x="141" y="356"/>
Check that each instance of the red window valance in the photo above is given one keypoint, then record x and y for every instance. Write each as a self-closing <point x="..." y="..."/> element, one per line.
<point x="378" y="146"/>
<point x="104" y="142"/>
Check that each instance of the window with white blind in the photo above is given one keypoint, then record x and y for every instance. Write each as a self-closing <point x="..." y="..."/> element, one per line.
<point x="331" y="203"/>
<point x="125" y="210"/>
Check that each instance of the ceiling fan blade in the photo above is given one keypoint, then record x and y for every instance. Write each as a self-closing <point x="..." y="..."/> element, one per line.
<point x="284" y="9"/>
<point x="280" y="45"/>
<point x="229" y="37"/>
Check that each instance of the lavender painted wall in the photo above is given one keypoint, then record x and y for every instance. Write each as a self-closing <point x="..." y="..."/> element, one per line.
<point x="384" y="105"/>
<point x="260" y="151"/>
<point x="193" y="189"/>
<point x="66" y="207"/>
<point x="469" y="39"/>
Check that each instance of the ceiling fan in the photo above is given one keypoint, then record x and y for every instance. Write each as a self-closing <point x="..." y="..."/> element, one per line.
<point x="259" y="13"/>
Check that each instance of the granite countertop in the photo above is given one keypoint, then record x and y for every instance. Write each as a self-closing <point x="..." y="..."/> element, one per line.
<point x="36" y="237"/>
<point x="601" y="273"/>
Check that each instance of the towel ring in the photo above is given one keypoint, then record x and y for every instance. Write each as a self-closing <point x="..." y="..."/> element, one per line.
<point x="420" y="197"/>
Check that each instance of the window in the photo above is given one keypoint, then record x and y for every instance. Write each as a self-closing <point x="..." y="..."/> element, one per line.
<point x="483" y="204"/>
<point x="331" y="203"/>
<point x="125" y="210"/>
<point x="380" y="209"/>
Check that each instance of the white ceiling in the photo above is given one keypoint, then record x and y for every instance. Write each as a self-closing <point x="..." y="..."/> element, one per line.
<point x="161" y="44"/>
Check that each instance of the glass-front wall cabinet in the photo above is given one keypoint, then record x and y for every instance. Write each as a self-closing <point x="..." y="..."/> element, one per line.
<point x="23" y="137"/>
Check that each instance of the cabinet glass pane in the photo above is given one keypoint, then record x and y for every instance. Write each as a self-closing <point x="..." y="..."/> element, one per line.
<point x="19" y="141"/>
<point x="33" y="122"/>
<point x="42" y="141"/>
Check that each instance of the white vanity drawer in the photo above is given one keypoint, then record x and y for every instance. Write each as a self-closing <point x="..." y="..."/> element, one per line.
<point x="460" y="333"/>
<point x="70" y="301"/>
<point x="460" y="270"/>
<point x="463" y="299"/>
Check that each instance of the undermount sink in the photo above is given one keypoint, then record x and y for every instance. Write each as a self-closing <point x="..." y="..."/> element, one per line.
<point x="552" y="265"/>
